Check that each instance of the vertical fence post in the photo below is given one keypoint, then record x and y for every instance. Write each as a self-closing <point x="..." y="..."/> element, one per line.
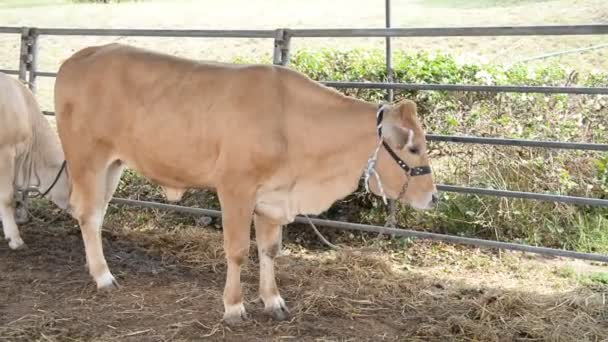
<point x="392" y="219"/>
<point x="276" y="55"/>
<point x="24" y="56"/>
<point x="285" y="53"/>
<point x="277" y="59"/>
<point x="389" y="50"/>
<point x="282" y="39"/>
<point x="280" y="56"/>
<point x="33" y="52"/>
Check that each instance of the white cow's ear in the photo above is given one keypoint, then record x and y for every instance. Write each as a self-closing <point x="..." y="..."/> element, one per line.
<point x="398" y="137"/>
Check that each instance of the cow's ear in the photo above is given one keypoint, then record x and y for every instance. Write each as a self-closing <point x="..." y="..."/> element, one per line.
<point x="397" y="137"/>
<point x="407" y="114"/>
<point x="399" y="125"/>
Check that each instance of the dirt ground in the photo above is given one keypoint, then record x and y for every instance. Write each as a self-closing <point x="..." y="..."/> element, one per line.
<point x="172" y="270"/>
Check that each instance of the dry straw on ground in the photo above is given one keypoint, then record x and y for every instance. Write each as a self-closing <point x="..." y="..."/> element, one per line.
<point x="172" y="285"/>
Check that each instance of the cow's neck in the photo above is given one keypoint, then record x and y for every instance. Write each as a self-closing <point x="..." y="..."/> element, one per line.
<point x="355" y="138"/>
<point x="44" y="155"/>
<point x="346" y="134"/>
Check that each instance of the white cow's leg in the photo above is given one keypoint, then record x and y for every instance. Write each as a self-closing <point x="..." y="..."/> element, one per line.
<point x="236" y="221"/>
<point x="11" y="231"/>
<point x="7" y="200"/>
<point x="268" y="237"/>
<point x="88" y="206"/>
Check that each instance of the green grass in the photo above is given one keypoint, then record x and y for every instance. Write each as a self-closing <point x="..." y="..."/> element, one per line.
<point x="593" y="278"/>
<point x="597" y="278"/>
<point x="566" y="272"/>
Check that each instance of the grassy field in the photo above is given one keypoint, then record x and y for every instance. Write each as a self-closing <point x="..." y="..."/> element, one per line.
<point x="271" y="14"/>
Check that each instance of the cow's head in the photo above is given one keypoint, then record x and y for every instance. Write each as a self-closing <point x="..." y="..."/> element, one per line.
<point x="402" y="132"/>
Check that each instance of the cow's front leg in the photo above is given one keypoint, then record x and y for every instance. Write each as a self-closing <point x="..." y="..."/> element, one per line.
<point x="236" y="221"/>
<point x="7" y="200"/>
<point x="268" y="237"/>
<point x="9" y="225"/>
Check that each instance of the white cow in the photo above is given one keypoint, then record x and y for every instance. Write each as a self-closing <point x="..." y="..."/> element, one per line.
<point x="30" y="154"/>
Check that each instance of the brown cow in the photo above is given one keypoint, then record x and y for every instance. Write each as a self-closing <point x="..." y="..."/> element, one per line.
<point x="270" y="141"/>
<point x="30" y="154"/>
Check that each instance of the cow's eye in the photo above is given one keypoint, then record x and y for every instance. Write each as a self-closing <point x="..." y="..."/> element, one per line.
<point x="414" y="150"/>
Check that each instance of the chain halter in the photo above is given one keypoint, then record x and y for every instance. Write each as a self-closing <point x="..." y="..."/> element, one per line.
<point x="371" y="162"/>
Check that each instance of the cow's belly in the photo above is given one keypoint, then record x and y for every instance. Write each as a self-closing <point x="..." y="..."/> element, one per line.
<point x="170" y="151"/>
<point x="171" y="174"/>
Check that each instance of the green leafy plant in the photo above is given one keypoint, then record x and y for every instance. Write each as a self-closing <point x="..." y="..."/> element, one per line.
<point x="530" y="116"/>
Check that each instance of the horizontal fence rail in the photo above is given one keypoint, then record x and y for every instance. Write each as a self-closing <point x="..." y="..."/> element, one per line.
<point x="488" y="31"/>
<point x="525" y="195"/>
<point x="5" y="29"/>
<point x="383" y="230"/>
<point x="493" y="31"/>
<point x="502" y="141"/>
<point x="158" y="33"/>
<point x="46" y="74"/>
<point x="446" y="87"/>
<point x="282" y="37"/>
<point x="9" y="72"/>
<point x="474" y="88"/>
<point x="518" y="142"/>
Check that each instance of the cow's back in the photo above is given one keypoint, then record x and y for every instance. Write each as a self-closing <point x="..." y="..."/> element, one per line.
<point x="176" y="121"/>
<point x="15" y="107"/>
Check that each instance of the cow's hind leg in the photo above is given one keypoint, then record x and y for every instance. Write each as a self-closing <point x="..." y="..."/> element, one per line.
<point x="88" y="202"/>
<point x="7" y="199"/>
<point x="268" y="237"/>
<point x="112" y="179"/>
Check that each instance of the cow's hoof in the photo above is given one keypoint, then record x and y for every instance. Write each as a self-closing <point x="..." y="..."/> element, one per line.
<point x="235" y="314"/>
<point x="16" y="244"/>
<point x="107" y="282"/>
<point x="277" y="309"/>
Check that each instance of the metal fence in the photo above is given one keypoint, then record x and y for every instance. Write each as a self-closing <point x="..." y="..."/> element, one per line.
<point x="282" y="37"/>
